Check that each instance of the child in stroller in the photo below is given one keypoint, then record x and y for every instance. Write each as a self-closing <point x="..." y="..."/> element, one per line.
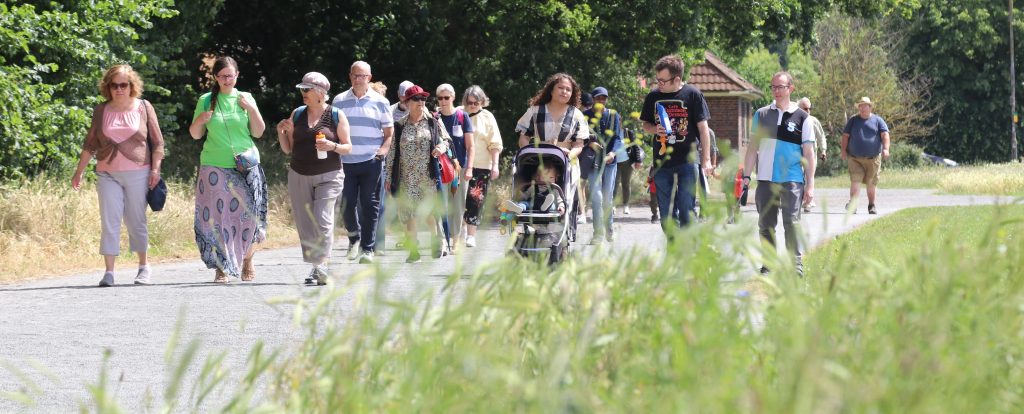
<point x="539" y="195"/>
<point x="540" y="215"/>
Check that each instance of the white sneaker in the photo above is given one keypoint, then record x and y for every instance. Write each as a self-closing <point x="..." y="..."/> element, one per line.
<point x="143" y="277"/>
<point x="470" y="241"/>
<point x="581" y="219"/>
<point x="548" y="201"/>
<point x="512" y="206"/>
<point x="108" y="279"/>
<point x="353" y="251"/>
<point x="625" y="210"/>
<point x="366" y="258"/>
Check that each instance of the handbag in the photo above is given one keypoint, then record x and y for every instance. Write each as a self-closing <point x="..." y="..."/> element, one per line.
<point x="447" y="168"/>
<point x="247" y="160"/>
<point x="156" y="197"/>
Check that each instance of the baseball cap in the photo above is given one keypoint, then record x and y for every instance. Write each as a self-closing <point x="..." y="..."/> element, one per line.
<point x="315" y="80"/>
<point x="415" y="90"/>
<point x="599" y="91"/>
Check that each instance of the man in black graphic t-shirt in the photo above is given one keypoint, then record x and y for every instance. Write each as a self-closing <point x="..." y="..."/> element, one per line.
<point x="687" y="115"/>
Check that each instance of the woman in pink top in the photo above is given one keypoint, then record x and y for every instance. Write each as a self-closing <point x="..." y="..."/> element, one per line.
<point x="126" y="166"/>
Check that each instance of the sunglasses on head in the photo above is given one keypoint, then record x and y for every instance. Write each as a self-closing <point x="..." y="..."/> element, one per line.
<point x="122" y="85"/>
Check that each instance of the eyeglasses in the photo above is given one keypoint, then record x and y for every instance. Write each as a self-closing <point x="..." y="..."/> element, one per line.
<point x="444" y="98"/>
<point x="360" y="75"/>
<point x="418" y="98"/>
<point x="779" y="87"/>
<point x="227" y="77"/>
<point x="123" y="85"/>
<point x="472" y="103"/>
<point x="664" y="81"/>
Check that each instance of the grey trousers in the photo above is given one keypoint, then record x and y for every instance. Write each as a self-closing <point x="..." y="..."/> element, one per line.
<point x="770" y="198"/>
<point x="313" y="198"/>
<point x="122" y="195"/>
<point x="457" y="207"/>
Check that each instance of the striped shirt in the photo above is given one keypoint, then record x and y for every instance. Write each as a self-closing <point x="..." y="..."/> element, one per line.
<point x="367" y="118"/>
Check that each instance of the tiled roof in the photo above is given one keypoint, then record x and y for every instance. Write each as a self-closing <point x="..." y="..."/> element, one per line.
<point x="714" y="76"/>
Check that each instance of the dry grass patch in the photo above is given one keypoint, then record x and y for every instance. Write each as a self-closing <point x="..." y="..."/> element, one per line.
<point x="46" y="228"/>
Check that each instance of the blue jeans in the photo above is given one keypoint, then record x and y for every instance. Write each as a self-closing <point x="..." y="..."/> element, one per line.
<point x="675" y="192"/>
<point x="602" y="190"/>
<point x="364" y="183"/>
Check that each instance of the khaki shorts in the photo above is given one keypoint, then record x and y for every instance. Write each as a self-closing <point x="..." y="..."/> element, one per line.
<point x="864" y="169"/>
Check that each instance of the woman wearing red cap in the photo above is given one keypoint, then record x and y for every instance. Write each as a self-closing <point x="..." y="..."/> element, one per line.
<point x="412" y="171"/>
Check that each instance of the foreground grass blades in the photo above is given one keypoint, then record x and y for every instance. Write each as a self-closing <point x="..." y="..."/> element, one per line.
<point x="935" y="330"/>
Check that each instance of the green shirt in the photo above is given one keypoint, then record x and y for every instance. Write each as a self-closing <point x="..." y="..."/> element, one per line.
<point x="227" y="133"/>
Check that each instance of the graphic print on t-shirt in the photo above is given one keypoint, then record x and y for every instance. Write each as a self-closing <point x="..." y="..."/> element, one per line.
<point x="679" y="119"/>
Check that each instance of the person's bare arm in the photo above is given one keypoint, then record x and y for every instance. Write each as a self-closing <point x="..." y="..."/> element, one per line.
<point x="885" y="145"/>
<point x="810" y="164"/>
<point x="382" y="152"/>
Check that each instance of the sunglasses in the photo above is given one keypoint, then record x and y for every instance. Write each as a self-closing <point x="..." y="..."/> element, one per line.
<point x="472" y="103"/>
<point x="123" y="85"/>
<point x="418" y="98"/>
<point x="444" y="98"/>
<point x="305" y="90"/>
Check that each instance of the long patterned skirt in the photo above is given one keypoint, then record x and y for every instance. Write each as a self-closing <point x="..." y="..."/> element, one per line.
<point x="231" y="215"/>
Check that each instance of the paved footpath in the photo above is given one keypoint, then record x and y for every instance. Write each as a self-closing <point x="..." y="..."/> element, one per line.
<point x="53" y="332"/>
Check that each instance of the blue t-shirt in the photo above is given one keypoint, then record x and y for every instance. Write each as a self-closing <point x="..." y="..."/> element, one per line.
<point x="457" y="130"/>
<point x="865" y="135"/>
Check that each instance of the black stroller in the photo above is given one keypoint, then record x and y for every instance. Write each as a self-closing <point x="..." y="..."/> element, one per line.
<point x="540" y="232"/>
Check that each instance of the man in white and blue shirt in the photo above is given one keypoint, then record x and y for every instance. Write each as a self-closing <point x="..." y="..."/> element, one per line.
<point x="370" y="129"/>
<point x="782" y="147"/>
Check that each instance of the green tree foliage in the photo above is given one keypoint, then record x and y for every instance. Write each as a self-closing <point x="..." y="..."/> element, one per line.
<point x="858" y="57"/>
<point x="509" y="48"/>
<point x="963" y="48"/>
<point x="51" y="56"/>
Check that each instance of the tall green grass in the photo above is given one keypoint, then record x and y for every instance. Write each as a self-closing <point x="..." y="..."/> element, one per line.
<point x="685" y="329"/>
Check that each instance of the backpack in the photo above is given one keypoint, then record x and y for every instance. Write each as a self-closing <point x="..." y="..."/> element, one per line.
<point x="334" y="114"/>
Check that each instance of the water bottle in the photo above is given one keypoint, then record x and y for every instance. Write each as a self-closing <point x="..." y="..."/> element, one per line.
<point x="322" y="155"/>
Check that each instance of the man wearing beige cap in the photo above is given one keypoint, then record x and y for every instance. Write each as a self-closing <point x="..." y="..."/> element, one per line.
<point x="865" y="143"/>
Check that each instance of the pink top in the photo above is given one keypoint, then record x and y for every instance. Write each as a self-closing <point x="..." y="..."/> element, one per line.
<point x="119" y="126"/>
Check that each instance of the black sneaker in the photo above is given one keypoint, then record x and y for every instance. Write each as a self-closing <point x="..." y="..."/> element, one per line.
<point x="654" y="219"/>
<point x="872" y="209"/>
<point x="764" y="270"/>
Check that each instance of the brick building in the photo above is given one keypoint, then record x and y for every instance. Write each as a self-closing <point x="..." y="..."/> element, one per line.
<point x="729" y="98"/>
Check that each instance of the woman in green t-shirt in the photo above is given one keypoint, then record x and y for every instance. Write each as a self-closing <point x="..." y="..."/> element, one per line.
<point x="231" y="205"/>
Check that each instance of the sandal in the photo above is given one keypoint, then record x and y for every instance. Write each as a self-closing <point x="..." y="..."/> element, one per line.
<point x="220" y="277"/>
<point x="248" y="272"/>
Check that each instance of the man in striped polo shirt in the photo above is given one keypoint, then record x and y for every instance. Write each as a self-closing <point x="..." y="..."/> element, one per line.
<point x="370" y="130"/>
<point x="782" y="147"/>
